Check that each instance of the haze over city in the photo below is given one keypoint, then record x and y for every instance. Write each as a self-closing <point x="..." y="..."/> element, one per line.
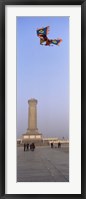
<point x="43" y="74"/>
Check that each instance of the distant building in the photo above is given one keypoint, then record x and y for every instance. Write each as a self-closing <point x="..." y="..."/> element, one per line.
<point x="46" y="141"/>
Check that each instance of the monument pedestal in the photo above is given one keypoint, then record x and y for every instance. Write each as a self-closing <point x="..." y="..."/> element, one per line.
<point x="29" y="138"/>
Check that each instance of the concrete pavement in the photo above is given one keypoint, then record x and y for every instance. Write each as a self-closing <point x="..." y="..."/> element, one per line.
<point x="43" y="165"/>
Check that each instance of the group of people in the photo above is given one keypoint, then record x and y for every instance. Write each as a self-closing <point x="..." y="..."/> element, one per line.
<point x="59" y="145"/>
<point x="29" y="146"/>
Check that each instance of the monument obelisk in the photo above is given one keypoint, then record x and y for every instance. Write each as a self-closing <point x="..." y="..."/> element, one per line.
<point x="32" y="116"/>
<point x="32" y="133"/>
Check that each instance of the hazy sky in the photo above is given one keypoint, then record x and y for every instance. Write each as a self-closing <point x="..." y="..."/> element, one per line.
<point x="43" y="74"/>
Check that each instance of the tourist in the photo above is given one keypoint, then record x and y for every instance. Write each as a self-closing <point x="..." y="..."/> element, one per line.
<point x="32" y="147"/>
<point x="24" y="146"/>
<point x="27" y="146"/>
<point x="52" y="145"/>
<point x="59" y="145"/>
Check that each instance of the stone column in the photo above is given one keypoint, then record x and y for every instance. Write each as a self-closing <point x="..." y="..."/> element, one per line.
<point x="32" y="114"/>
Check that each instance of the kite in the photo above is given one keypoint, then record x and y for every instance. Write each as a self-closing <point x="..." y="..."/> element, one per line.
<point x="42" y="34"/>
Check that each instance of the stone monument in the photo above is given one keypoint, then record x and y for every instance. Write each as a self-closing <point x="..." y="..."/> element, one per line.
<point x="32" y="134"/>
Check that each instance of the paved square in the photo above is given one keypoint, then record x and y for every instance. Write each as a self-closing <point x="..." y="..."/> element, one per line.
<point x="43" y="165"/>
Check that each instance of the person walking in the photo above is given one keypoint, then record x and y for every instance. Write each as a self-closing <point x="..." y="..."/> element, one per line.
<point x="52" y="145"/>
<point x="27" y="146"/>
<point x="24" y="146"/>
